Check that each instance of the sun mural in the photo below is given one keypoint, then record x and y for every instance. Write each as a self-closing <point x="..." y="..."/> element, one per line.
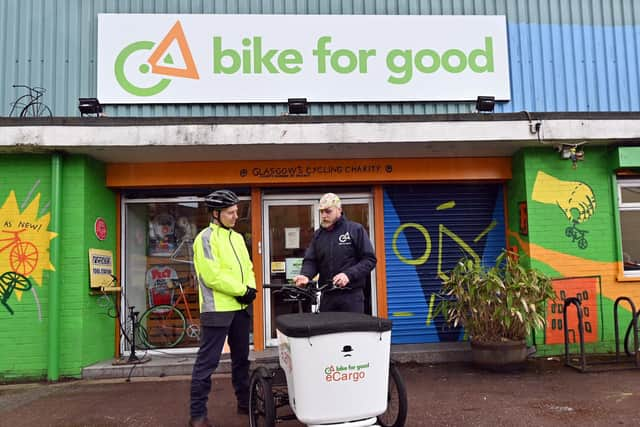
<point x="24" y="247"/>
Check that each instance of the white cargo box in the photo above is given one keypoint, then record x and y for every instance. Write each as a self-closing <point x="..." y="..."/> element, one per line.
<point x="336" y="365"/>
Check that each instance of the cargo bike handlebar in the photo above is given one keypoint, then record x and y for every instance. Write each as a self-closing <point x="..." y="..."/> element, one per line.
<point x="308" y="294"/>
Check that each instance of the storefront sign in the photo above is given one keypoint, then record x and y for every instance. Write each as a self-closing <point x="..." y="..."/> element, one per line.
<point x="100" y="268"/>
<point x="348" y="168"/>
<point x="146" y="58"/>
<point x="234" y="172"/>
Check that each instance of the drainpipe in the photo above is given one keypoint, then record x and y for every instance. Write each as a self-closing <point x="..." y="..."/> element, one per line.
<point x="53" y="365"/>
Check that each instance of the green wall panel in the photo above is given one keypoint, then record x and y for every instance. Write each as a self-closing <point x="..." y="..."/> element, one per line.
<point x="572" y="236"/>
<point x="25" y="191"/>
<point x="87" y="333"/>
<point x="563" y="197"/>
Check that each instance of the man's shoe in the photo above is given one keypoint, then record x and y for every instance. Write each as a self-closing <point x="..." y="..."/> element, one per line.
<point x="200" y="422"/>
<point x="243" y="410"/>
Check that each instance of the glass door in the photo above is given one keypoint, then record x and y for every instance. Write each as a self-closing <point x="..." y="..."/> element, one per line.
<point x="289" y="224"/>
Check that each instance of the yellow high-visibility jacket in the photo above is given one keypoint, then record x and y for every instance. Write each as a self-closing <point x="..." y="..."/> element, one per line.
<point x="223" y="268"/>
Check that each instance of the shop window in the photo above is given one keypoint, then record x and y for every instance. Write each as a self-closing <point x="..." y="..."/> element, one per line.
<point x="629" y="205"/>
<point x="158" y="255"/>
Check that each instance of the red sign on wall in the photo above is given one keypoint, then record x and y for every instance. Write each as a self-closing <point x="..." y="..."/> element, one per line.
<point x="100" y="228"/>
<point x="524" y="218"/>
<point x="583" y="288"/>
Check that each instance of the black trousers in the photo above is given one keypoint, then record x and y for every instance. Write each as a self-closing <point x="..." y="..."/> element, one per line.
<point x="352" y="301"/>
<point x="211" y="344"/>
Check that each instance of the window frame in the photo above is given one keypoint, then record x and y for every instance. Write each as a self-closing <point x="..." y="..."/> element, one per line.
<point x="621" y="183"/>
<point x="129" y="285"/>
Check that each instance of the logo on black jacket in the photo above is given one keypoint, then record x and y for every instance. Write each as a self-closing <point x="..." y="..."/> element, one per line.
<point x="344" y="239"/>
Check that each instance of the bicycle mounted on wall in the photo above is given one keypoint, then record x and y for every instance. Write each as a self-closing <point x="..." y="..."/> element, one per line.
<point x="30" y="104"/>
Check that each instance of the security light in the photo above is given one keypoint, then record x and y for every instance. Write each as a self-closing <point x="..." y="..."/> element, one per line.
<point x="89" y="106"/>
<point x="298" y="105"/>
<point x="485" y="103"/>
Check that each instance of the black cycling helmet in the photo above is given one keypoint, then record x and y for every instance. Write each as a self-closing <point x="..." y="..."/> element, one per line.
<point x="221" y="199"/>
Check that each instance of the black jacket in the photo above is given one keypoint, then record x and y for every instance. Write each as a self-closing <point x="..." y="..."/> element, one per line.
<point x="345" y="248"/>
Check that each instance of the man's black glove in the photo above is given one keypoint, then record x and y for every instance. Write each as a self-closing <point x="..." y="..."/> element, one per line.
<point x="248" y="296"/>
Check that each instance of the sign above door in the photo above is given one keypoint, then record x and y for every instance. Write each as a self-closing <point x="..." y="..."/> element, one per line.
<point x="165" y="58"/>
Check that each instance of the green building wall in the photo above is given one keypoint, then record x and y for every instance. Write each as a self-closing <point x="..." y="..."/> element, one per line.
<point x="86" y="330"/>
<point x="570" y="233"/>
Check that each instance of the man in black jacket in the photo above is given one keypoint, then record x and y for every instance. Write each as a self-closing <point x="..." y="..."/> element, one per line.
<point x="342" y="254"/>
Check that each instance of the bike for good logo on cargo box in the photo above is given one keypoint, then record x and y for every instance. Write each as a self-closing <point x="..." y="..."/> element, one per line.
<point x="146" y="58"/>
<point x="345" y="372"/>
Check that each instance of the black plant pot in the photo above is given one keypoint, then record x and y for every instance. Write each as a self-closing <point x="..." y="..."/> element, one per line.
<point x="499" y="356"/>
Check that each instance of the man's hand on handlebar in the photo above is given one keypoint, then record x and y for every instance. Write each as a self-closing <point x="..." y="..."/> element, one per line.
<point x="340" y="280"/>
<point x="300" y="280"/>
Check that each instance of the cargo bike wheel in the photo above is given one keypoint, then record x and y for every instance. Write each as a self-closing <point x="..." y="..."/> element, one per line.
<point x="262" y="407"/>
<point x="396" y="413"/>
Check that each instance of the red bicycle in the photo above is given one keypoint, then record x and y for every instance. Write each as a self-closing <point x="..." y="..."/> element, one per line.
<point x="165" y="324"/>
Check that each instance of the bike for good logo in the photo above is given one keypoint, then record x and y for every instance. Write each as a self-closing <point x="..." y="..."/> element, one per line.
<point x="139" y="64"/>
<point x="253" y="58"/>
<point x="346" y="373"/>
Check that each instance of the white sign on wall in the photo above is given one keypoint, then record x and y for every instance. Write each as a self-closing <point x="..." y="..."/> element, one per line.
<point x="146" y="58"/>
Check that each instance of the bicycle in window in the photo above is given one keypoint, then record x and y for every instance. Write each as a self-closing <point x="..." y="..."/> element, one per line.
<point x="165" y="324"/>
<point x="30" y="104"/>
<point x="334" y="368"/>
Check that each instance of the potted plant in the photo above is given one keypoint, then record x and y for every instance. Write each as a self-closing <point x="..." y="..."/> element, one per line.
<point x="497" y="305"/>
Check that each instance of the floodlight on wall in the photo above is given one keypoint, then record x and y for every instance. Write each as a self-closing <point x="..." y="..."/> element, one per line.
<point x="298" y="105"/>
<point x="485" y="103"/>
<point x="89" y="106"/>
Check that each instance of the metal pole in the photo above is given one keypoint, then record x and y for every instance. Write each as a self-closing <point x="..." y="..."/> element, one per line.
<point x="53" y="363"/>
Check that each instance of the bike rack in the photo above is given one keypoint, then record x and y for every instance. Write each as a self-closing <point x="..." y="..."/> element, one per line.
<point x="604" y="362"/>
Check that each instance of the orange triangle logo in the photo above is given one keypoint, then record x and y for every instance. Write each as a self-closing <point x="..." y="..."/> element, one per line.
<point x="176" y="33"/>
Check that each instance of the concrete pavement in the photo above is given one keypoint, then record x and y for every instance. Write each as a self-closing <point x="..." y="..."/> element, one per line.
<point x="545" y="394"/>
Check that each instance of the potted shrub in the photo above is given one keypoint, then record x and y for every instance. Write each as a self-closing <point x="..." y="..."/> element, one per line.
<point x="497" y="305"/>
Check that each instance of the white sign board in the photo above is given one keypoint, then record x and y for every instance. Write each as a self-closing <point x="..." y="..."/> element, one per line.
<point x="147" y="58"/>
<point x="292" y="237"/>
<point x="294" y="266"/>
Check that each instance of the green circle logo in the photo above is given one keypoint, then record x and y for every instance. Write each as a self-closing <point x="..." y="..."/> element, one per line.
<point x="143" y="69"/>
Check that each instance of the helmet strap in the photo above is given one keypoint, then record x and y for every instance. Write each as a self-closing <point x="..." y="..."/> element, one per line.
<point x="216" y="218"/>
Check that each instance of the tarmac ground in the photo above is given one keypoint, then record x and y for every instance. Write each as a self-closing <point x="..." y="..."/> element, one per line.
<point x="545" y="393"/>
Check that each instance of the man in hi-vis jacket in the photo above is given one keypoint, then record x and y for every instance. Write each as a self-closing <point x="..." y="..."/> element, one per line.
<point x="342" y="254"/>
<point x="227" y="286"/>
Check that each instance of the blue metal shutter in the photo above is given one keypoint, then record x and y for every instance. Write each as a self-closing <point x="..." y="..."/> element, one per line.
<point x="427" y="229"/>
